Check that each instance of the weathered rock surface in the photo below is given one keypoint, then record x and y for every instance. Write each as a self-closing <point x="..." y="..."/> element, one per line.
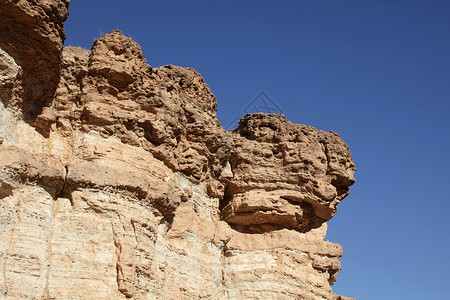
<point x="117" y="180"/>
<point x="32" y="33"/>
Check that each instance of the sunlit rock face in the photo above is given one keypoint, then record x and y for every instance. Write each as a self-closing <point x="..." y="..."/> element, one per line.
<point x="117" y="181"/>
<point x="285" y="175"/>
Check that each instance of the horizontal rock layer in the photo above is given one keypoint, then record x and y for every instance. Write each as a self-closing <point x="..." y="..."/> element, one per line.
<point x="117" y="180"/>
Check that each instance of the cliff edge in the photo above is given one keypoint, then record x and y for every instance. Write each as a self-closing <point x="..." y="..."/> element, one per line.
<point x="117" y="181"/>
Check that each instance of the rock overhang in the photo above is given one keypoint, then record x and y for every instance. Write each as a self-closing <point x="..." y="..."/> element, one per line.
<point x="117" y="133"/>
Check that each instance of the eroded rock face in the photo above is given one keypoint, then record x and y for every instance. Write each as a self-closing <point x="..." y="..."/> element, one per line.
<point x="285" y="175"/>
<point x="123" y="184"/>
<point x="32" y="33"/>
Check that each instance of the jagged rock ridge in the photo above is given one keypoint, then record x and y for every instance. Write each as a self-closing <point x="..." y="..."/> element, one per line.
<point x="118" y="181"/>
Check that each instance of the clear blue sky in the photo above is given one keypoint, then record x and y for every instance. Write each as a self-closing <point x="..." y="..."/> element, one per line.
<point x="377" y="72"/>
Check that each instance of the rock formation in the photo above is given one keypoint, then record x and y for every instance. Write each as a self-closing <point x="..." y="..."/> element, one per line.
<point x="117" y="180"/>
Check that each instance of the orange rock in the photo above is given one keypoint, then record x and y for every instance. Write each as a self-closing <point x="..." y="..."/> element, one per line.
<point x="117" y="180"/>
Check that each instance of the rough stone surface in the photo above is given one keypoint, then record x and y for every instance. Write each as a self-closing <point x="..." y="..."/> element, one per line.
<point x="117" y="180"/>
<point x="32" y="33"/>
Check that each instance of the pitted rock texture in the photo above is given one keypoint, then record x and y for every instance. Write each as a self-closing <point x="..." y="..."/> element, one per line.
<point x="32" y="33"/>
<point x="285" y="175"/>
<point x="117" y="181"/>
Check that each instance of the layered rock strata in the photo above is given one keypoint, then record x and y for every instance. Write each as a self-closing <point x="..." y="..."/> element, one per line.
<point x="117" y="181"/>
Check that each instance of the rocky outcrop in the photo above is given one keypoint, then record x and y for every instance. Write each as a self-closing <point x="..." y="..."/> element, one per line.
<point x="285" y="175"/>
<point x="117" y="180"/>
<point x="32" y="33"/>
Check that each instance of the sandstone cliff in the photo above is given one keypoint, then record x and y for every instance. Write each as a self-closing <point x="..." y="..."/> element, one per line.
<point x="117" y="180"/>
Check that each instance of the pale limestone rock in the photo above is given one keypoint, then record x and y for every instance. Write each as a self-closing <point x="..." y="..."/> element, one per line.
<point x="124" y="185"/>
<point x="8" y="67"/>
